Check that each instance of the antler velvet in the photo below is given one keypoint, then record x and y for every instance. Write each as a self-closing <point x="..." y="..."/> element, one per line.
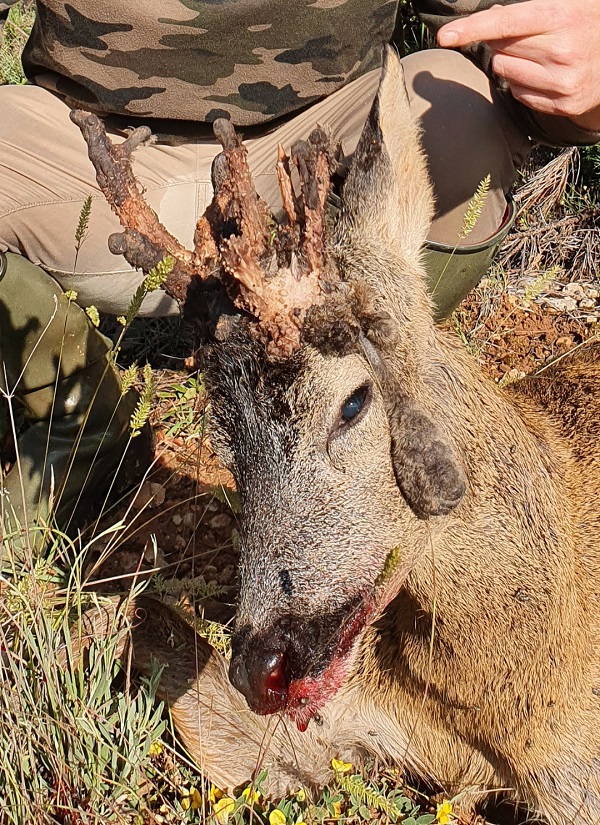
<point x="272" y="272"/>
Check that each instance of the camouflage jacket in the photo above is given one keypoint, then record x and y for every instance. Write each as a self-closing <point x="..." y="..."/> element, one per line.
<point x="249" y="60"/>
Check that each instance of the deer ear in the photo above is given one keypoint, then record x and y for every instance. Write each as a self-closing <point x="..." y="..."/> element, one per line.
<point x="426" y="467"/>
<point x="387" y="194"/>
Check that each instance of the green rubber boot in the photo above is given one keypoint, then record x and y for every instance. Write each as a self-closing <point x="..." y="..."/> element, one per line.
<point x="54" y="365"/>
<point x="452" y="272"/>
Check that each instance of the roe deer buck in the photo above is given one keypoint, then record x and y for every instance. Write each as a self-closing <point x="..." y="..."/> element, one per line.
<point x="420" y="562"/>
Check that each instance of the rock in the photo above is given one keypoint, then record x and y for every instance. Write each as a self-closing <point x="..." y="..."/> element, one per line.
<point x="220" y="521"/>
<point x="149" y="495"/>
<point x="566" y="304"/>
<point x="154" y="555"/>
<point x="511" y="376"/>
<point x="190" y="520"/>
<point x="564" y="341"/>
<point x="177" y="519"/>
<point x="574" y="290"/>
<point x="594" y="293"/>
<point x="158" y="494"/>
<point x="591" y="319"/>
<point x="587" y="303"/>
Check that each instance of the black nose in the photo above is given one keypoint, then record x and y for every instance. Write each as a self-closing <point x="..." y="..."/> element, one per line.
<point x="261" y="676"/>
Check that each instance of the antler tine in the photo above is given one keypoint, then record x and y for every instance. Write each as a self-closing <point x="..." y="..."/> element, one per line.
<point x="234" y="239"/>
<point x="145" y="240"/>
<point x="235" y="194"/>
<point x="288" y="196"/>
<point x="312" y="161"/>
<point x="141" y="253"/>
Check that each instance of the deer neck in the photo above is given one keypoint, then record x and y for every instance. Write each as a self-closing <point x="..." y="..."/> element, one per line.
<point x="491" y="604"/>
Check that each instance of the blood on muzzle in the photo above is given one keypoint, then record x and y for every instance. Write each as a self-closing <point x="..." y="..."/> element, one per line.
<point x="261" y="676"/>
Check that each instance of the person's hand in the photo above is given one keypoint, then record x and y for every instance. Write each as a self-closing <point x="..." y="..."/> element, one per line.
<point x="547" y="50"/>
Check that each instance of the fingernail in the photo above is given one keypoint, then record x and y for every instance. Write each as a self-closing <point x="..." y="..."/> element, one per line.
<point x="448" y="38"/>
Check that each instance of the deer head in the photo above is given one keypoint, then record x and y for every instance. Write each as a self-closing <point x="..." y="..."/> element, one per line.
<point x="315" y="380"/>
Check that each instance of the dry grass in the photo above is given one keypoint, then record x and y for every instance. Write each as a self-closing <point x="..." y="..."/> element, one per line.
<point x="558" y="223"/>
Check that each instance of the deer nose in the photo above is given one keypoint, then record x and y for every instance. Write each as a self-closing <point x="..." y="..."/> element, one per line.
<point x="261" y="677"/>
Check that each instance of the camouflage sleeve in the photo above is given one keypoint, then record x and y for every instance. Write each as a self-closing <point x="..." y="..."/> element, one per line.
<point x="4" y="9"/>
<point x="549" y="129"/>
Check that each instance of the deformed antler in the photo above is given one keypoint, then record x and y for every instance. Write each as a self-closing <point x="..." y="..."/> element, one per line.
<point x="145" y="240"/>
<point x="273" y="272"/>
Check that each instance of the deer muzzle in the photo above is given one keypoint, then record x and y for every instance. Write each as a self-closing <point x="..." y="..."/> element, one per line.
<point x="298" y="664"/>
<point x="261" y="676"/>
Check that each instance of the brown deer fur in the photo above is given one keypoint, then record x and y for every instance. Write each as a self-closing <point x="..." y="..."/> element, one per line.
<point x="428" y="572"/>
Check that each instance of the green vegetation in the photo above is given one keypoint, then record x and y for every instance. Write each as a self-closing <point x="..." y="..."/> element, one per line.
<point x="590" y="167"/>
<point x="17" y="28"/>
<point x="72" y="737"/>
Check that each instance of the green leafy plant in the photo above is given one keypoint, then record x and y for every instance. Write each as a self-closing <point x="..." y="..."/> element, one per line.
<point x="74" y="734"/>
<point x="16" y="31"/>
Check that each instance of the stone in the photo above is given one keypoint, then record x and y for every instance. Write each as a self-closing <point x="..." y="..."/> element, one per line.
<point x="149" y="495"/>
<point x="574" y="290"/>
<point x="564" y="341"/>
<point x="220" y="521"/>
<point x="565" y="304"/>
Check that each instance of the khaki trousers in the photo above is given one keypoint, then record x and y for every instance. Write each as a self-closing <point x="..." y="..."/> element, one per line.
<point x="45" y="174"/>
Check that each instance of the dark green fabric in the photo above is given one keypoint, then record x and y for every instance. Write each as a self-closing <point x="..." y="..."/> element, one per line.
<point x="55" y="367"/>
<point x="452" y="272"/>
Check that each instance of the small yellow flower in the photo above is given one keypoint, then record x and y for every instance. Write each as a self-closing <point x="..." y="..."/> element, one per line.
<point x="341" y="767"/>
<point x="301" y="796"/>
<point x="191" y="799"/>
<point x="156" y="748"/>
<point x="122" y="320"/>
<point x="71" y="295"/>
<point x="250" y="795"/>
<point x="337" y="809"/>
<point x="222" y="808"/>
<point x="93" y="314"/>
<point x="444" y="812"/>
<point x="215" y="794"/>
<point x="277" y="817"/>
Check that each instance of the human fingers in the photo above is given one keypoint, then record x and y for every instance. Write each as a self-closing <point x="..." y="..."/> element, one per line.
<point x="540" y="101"/>
<point x="538" y="47"/>
<point x="524" y="72"/>
<point x="533" y="17"/>
<point x="570" y="90"/>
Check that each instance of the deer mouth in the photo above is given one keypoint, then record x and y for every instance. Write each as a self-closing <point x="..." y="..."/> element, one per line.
<point x="298" y="666"/>
<point x="307" y="695"/>
<point x="300" y="663"/>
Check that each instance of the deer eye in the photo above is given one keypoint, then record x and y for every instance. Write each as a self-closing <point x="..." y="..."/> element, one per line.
<point x="355" y="403"/>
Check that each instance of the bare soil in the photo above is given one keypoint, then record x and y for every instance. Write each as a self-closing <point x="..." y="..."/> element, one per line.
<point x="516" y="339"/>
